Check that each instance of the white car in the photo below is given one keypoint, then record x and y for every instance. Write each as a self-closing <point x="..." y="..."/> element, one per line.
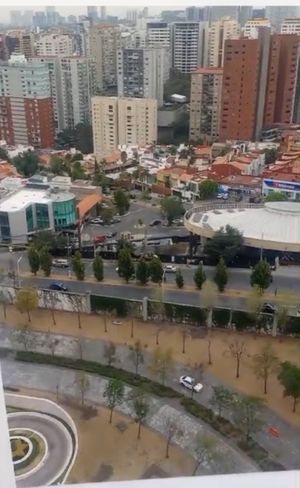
<point x="189" y="383"/>
<point x="60" y="263"/>
<point x="170" y="268"/>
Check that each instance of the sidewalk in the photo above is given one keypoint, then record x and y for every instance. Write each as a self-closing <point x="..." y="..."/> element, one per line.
<point x="47" y="378"/>
<point x="285" y="449"/>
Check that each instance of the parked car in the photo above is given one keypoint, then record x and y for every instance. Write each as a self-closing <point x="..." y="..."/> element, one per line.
<point x="60" y="263"/>
<point x="116" y="220"/>
<point x="268" y="308"/>
<point x="58" y="286"/>
<point x="155" y="222"/>
<point x="189" y="383"/>
<point x="100" y="238"/>
<point x="170" y="268"/>
<point x="110" y="235"/>
<point x="96" y="221"/>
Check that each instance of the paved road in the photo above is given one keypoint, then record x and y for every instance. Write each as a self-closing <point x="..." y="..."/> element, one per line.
<point x="59" y="444"/>
<point x="47" y="378"/>
<point x="285" y="449"/>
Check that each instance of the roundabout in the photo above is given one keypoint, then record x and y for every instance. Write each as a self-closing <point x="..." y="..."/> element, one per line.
<point x="43" y="448"/>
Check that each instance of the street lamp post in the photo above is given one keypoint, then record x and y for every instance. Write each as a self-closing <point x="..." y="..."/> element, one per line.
<point x="18" y="269"/>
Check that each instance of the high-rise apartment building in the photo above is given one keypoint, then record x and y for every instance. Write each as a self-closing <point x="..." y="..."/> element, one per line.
<point x="131" y="16"/>
<point x="92" y="13"/>
<point x="277" y="14"/>
<point x="259" y="84"/>
<point x="188" y="45"/>
<point x="16" y="18"/>
<point x="141" y="73"/>
<point x="219" y="31"/>
<point x="245" y="13"/>
<point x="55" y="45"/>
<point x="252" y="26"/>
<point x="130" y="121"/>
<point x="104" y="42"/>
<point x="158" y="35"/>
<point x="240" y="85"/>
<point x="290" y="26"/>
<point x="218" y="12"/>
<point x="205" y="103"/>
<point x="20" y="42"/>
<point x="103" y="12"/>
<point x="193" y="14"/>
<point x="26" y="115"/>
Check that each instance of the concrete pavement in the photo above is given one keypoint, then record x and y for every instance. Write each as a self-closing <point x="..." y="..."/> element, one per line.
<point x="284" y="449"/>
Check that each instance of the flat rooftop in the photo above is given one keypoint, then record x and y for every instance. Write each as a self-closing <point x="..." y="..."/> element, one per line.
<point x="22" y="198"/>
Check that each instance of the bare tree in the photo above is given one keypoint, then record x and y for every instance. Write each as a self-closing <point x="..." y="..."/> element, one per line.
<point x="265" y="363"/>
<point x="158" y="330"/>
<point x="205" y="451"/>
<point x="209" y="296"/>
<point x="132" y="328"/>
<point x="236" y="349"/>
<point x="4" y="301"/>
<point x="25" y="337"/>
<point x="162" y="364"/>
<point x="80" y="346"/>
<point x="172" y="430"/>
<point x="109" y="352"/>
<point x="50" y="299"/>
<point x="51" y="342"/>
<point x="184" y="335"/>
<point x="136" y="355"/>
<point x="209" y="343"/>
<point x="76" y="301"/>
<point x="83" y="384"/>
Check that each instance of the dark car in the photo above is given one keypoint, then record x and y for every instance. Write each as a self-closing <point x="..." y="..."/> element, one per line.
<point x="58" y="286"/>
<point x="268" y="308"/>
<point x="155" y="222"/>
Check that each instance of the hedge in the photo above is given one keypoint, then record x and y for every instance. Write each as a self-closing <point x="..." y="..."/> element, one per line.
<point x="221" y="317"/>
<point x="219" y="423"/>
<point x="109" y="304"/>
<point x="132" y="379"/>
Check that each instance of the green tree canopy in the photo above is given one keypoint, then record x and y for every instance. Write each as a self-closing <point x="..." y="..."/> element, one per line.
<point x="179" y="83"/>
<point x="289" y="377"/>
<point x="276" y="196"/>
<point x="142" y="271"/>
<point x="98" y="268"/>
<point x="3" y="154"/>
<point x="114" y="394"/>
<point x="78" y="266"/>
<point x="247" y="414"/>
<point x="81" y="138"/>
<point x="271" y="155"/>
<point x="125" y="264"/>
<point x="78" y="172"/>
<point x="208" y="189"/>
<point x="261" y="275"/>
<point x="33" y="259"/>
<point x="27" y="163"/>
<point x="156" y="270"/>
<point x="199" y="276"/>
<point x="46" y="261"/>
<point x="226" y="243"/>
<point x="121" y="201"/>
<point x="179" y="279"/>
<point x="172" y="208"/>
<point x="221" y="275"/>
<point x="27" y="301"/>
<point x="57" y="165"/>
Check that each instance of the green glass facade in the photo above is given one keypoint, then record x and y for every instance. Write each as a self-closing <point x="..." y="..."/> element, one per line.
<point x="4" y="226"/>
<point x="42" y="216"/>
<point x="29" y="219"/>
<point x="64" y="213"/>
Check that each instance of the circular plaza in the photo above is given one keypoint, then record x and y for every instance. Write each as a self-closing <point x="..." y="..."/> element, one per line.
<point x="273" y="225"/>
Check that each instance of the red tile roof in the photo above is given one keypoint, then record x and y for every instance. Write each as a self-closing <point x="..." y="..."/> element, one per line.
<point x="87" y="203"/>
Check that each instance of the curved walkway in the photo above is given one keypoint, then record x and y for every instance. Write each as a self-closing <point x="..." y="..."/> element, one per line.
<point x="59" y="445"/>
<point x="284" y="449"/>
<point x="42" y="377"/>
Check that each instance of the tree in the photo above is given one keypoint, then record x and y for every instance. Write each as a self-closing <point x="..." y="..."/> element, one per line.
<point x="208" y="189"/>
<point x="33" y="259"/>
<point x="109" y="352"/>
<point x="221" y="276"/>
<point x="24" y="336"/>
<point x="222" y="398"/>
<point x="236" y="349"/>
<point x="4" y="155"/>
<point x="246" y="412"/>
<point x="83" y="384"/>
<point x="107" y="215"/>
<point x="226" y="243"/>
<point x="289" y="377"/>
<point x="156" y="271"/>
<point x="81" y="137"/>
<point x="172" y="430"/>
<point x="122" y="201"/>
<point x="76" y="301"/>
<point x="27" y="301"/>
<point x="199" y="277"/>
<point x="208" y="297"/>
<point x="171" y="208"/>
<point x="114" y="394"/>
<point x="57" y="165"/>
<point x="280" y="319"/>
<point x="276" y="196"/>
<point x="205" y="451"/>
<point x="46" y="261"/>
<point x="141" y="407"/>
<point x="261" y="275"/>
<point x="270" y="155"/>
<point x="142" y="271"/>
<point x="78" y="171"/>
<point x="4" y="300"/>
<point x="98" y="268"/>
<point x="162" y="364"/>
<point x="179" y="279"/>
<point x="265" y="363"/>
<point x="178" y="82"/>
<point x="78" y="266"/>
<point x="51" y="342"/>
<point x="184" y="331"/>
<point x="125" y="265"/>
<point x="27" y="163"/>
<point x="254" y="303"/>
<point x="136" y="355"/>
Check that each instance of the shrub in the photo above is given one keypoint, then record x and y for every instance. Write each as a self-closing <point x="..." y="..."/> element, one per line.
<point x="221" y="316"/>
<point x="242" y="320"/>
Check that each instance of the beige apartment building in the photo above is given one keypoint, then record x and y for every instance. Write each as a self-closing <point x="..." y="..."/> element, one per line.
<point x="104" y="43"/>
<point x="117" y="120"/>
<point x="226" y="28"/>
<point x="205" y="103"/>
